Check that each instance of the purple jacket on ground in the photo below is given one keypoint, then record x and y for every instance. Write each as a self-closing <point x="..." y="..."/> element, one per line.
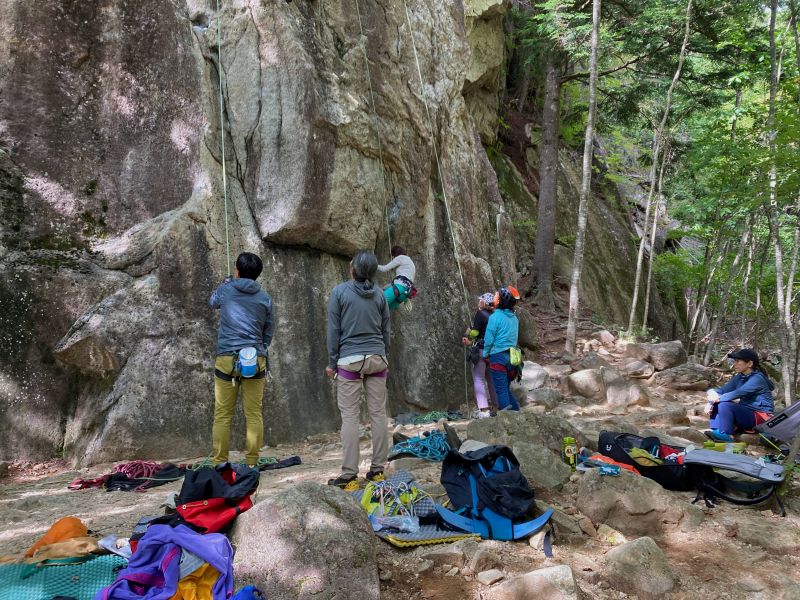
<point x="154" y="570"/>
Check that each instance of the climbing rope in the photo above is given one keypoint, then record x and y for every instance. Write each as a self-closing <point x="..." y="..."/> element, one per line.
<point x="222" y="139"/>
<point x="208" y="462"/>
<point x="437" y="415"/>
<point x="438" y="162"/>
<point x="377" y="129"/>
<point x="433" y="447"/>
<point x="444" y="191"/>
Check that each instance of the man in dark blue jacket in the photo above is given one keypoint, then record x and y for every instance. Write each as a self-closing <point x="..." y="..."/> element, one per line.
<point x="751" y="387"/>
<point x="246" y="321"/>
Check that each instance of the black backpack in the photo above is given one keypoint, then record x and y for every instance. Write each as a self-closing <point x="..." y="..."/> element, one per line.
<point x="670" y="476"/>
<point x="699" y="470"/>
<point x="494" y="471"/>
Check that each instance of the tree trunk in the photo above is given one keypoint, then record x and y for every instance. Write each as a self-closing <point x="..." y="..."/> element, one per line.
<point x="658" y="137"/>
<point x="751" y="251"/>
<point x="723" y="297"/>
<point x="783" y="294"/>
<point x="548" y="183"/>
<point x="691" y="314"/>
<point x="697" y="320"/>
<point x="586" y="185"/>
<point x="653" y="231"/>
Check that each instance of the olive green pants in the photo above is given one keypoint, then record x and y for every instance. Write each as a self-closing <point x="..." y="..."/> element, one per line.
<point x="225" y="394"/>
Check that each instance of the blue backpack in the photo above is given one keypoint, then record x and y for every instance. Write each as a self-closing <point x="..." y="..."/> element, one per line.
<point x="489" y="495"/>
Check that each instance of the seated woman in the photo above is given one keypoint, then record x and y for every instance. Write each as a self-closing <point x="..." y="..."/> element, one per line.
<point x="751" y="387"/>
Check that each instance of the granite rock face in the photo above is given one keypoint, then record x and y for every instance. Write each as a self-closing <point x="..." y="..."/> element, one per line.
<point x="113" y="232"/>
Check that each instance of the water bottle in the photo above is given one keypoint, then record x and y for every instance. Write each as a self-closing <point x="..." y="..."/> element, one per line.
<point x="570" y="451"/>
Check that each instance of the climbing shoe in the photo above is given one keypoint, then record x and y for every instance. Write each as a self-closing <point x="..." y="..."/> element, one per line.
<point x="348" y="484"/>
<point x="376" y="476"/>
<point x="718" y="436"/>
<point x="481" y="414"/>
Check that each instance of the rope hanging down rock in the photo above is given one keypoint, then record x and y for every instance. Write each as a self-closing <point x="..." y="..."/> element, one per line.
<point x="438" y="162"/>
<point x="444" y="190"/>
<point x="222" y="139"/>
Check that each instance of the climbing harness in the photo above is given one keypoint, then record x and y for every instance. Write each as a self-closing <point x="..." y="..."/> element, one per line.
<point x="222" y="139"/>
<point x="431" y="446"/>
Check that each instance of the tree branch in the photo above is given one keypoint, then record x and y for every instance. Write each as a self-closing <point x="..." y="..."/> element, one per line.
<point x="625" y="65"/>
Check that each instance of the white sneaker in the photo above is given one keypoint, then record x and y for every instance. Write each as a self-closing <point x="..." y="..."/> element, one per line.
<point x="481" y="414"/>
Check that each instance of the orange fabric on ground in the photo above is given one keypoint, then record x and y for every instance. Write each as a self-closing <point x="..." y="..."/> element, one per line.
<point x="79" y="546"/>
<point x="62" y="530"/>
<point x="611" y="461"/>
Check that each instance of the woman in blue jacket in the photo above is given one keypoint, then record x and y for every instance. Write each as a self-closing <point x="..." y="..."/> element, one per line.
<point x="501" y="335"/>
<point x="753" y="390"/>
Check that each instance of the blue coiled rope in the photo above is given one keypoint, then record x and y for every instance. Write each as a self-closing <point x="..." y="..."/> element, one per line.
<point x="433" y="446"/>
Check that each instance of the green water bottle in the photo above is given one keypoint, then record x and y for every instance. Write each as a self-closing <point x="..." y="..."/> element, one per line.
<point x="570" y="451"/>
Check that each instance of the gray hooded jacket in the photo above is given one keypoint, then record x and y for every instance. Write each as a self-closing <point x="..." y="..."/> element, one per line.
<point x="246" y="316"/>
<point x="358" y="321"/>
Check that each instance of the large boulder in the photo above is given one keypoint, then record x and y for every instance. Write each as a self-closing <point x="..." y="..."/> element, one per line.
<point x="590" y="360"/>
<point x="588" y="383"/>
<point x="547" y="397"/>
<point x="605" y="384"/>
<point x="639" y="568"/>
<point x="637" y="369"/>
<point x="634" y="504"/>
<point x="510" y="427"/>
<point x="690" y="376"/>
<point x="533" y="376"/>
<point x="553" y="583"/>
<point x="781" y="538"/>
<point x="542" y="467"/>
<point x="624" y="393"/>
<point x="309" y="542"/>
<point x="662" y="356"/>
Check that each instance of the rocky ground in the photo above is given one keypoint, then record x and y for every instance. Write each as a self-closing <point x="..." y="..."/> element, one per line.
<point x="615" y="537"/>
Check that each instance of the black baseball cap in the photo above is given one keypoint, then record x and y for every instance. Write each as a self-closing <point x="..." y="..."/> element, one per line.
<point x="745" y="354"/>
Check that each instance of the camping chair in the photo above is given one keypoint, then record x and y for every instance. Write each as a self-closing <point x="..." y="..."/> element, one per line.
<point x="782" y="427"/>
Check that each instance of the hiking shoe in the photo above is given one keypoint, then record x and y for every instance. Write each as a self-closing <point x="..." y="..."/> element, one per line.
<point x="481" y="414"/>
<point x="348" y="484"/>
<point x="376" y="475"/>
<point x="718" y="436"/>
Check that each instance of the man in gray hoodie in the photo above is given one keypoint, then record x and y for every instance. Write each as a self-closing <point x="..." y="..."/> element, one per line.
<point x="358" y="344"/>
<point x="246" y="321"/>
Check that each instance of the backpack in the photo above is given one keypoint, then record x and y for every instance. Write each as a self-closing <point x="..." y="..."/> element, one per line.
<point x="490" y="495"/>
<point x="669" y="475"/>
<point x="212" y="497"/>
<point x="698" y="470"/>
